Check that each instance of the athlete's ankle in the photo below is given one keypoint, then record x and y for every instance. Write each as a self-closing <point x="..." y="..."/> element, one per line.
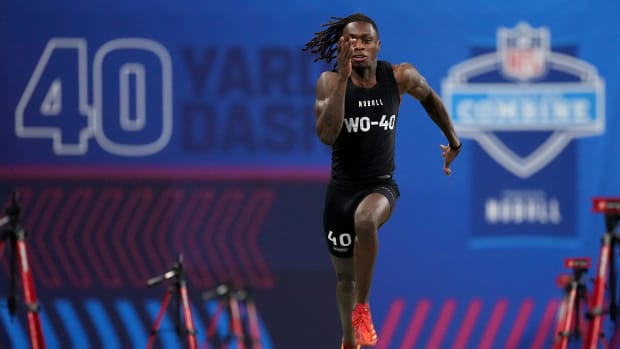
<point x="361" y="305"/>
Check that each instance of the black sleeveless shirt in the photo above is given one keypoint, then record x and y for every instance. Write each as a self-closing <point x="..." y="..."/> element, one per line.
<point x="364" y="148"/>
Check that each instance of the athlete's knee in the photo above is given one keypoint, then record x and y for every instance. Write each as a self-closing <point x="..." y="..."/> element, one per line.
<point x="346" y="282"/>
<point x="365" y="222"/>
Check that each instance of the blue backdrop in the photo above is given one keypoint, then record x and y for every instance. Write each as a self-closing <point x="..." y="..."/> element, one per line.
<point x="138" y="130"/>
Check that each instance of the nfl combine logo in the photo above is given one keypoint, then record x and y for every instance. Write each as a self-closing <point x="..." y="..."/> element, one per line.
<point x="523" y="103"/>
<point x="524" y="51"/>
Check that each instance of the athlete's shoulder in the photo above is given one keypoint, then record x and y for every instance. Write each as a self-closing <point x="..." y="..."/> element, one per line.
<point x="327" y="76"/>
<point x="325" y="83"/>
<point x="405" y="73"/>
<point x="404" y="67"/>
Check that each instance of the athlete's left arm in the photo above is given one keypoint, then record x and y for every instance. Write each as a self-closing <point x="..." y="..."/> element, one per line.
<point x="410" y="81"/>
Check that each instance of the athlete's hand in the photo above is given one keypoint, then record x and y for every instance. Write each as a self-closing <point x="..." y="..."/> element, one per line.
<point x="448" y="154"/>
<point x="345" y="52"/>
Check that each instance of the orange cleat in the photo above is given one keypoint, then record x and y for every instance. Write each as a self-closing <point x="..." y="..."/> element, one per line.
<point x="365" y="333"/>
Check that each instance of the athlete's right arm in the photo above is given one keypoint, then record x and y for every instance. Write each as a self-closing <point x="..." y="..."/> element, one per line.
<point x="329" y="106"/>
<point x="330" y="90"/>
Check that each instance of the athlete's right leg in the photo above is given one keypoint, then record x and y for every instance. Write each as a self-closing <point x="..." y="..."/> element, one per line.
<point x="345" y="295"/>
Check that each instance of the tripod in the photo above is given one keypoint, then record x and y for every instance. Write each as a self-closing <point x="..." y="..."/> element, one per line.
<point x="178" y="289"/>
<point x="16" y="237"/>
<point x="233" y="302"/>
<point x="570" y="317"/>
<point x="606" y="270"/>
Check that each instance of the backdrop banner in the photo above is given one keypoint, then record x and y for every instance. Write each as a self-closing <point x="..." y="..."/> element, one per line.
<point x="135" y="132"/>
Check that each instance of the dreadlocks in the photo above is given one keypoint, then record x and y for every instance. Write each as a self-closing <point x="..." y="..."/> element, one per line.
<point x="324" y="43"/>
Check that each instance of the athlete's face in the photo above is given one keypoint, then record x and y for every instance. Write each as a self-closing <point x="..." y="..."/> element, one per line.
<point x="365" y="42"/>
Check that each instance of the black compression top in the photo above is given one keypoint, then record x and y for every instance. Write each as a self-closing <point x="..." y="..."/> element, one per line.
<point x="364" y="148"/>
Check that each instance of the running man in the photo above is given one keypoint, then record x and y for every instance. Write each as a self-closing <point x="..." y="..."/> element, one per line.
<point x="356" y="112"/>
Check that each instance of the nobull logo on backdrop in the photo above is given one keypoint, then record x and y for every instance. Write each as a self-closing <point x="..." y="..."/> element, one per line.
<point x="523" y="102"/>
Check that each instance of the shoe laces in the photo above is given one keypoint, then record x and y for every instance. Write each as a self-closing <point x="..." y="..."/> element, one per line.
<point x="363" y="317"/>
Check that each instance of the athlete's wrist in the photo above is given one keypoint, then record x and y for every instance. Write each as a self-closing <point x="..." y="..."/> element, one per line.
<point x="457" y="147"/>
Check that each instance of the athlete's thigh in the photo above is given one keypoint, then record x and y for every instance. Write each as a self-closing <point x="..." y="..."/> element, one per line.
<point x="379" y="203"/>
<point x="375" y="207"/>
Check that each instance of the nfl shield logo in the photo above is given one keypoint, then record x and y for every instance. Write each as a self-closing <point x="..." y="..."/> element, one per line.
<point x="523" y="104"/>
<point x="524" y="51"/>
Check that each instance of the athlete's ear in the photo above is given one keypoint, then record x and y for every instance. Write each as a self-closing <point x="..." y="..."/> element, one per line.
<point x="378" y="45"/>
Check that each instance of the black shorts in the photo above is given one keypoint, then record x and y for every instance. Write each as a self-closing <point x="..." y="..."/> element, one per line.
<point x="341" y="201"/>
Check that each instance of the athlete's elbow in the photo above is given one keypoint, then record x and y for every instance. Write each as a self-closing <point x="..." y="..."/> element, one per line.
<point x="326" y="135"/>
<point x="327" y="138"/>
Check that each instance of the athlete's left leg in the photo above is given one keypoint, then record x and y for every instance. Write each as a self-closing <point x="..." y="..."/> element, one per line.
<point x="371" y="213"/>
